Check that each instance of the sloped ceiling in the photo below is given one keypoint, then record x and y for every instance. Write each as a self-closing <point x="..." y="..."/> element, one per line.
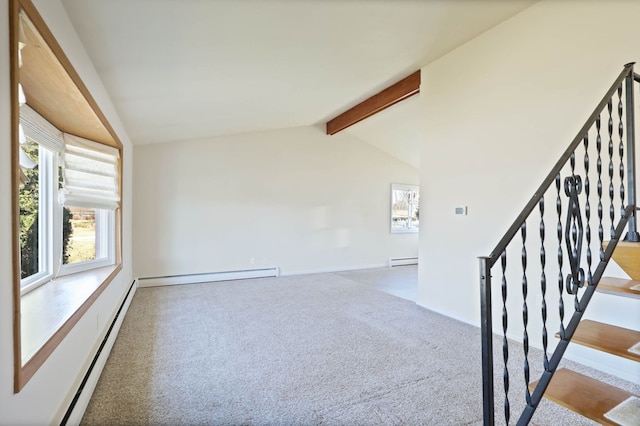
<point x="395" y="130"/>
<point x="191" y="69"/>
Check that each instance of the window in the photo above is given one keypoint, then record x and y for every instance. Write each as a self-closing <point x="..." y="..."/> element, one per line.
<point x="40" y="144"/>
<point x="32" y="239"/>
<point x="90" y="243"/>
<point x="68" y="192"/>
<point x="65" y="189"/>
<point x="35" y="215"/>
<point x="405" y="208"/>
<point x="89" y="193"/>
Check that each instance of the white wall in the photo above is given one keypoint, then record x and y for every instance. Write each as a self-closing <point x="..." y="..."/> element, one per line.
<point x="498" y="111"/>
<point x="292" y="198"/>
<point x="47" y="395"/>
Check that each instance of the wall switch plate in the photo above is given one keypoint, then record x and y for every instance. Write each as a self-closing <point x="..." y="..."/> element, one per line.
<point x="461" y="210"/>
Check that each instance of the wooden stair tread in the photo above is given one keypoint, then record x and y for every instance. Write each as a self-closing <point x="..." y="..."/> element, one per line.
<point x="607" y="338"/>
<point x="627" y="256"/>
<point x="618" y="287"/>
<point x="586" y="396"/>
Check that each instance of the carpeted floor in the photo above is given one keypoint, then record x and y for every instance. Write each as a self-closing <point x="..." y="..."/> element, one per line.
<point x="297" y="350"/>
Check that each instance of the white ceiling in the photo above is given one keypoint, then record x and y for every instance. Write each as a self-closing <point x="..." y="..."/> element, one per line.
<point x="191" y="69"/>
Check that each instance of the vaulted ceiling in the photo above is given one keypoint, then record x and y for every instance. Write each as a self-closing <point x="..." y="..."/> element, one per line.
<point x="190" y="69"/>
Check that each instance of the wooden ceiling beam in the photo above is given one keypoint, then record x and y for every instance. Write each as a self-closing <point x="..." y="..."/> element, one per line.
<point x="393" y="94"/>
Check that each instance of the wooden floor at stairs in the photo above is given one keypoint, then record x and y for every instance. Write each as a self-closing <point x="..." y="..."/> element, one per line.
<point x="627" y="255"/>
<point x="588" y="396"/>
<point x="584" y="395"/>
<point x="619" y="287"/>
<point x="607" y="338"/>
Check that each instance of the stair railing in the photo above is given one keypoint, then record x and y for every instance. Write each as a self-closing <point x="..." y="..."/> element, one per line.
<point x="576" y="189"/>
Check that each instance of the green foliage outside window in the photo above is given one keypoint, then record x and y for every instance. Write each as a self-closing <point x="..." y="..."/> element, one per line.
<point x="29" y="194"/>
<point x="29" y="203"/>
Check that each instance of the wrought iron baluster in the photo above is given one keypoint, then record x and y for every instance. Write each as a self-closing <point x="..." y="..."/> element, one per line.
<point x="505" y="341"/>
<point x="599" y="187"/>
<point x="621" y="149"/>
<point x="612" y="213"/>
<point x="543" y="284"/>
<point x="587" y="208"/>
<point x="560" y="256"/>
<point x="525" y="310"/>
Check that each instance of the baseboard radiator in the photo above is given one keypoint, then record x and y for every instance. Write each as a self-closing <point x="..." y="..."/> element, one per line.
<point x="401" y="261"/>
<point x="75" y="411"/>
<point x="208" y="277"/>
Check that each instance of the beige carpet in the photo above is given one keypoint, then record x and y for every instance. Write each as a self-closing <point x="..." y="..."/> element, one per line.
<point x="302" y="350"/>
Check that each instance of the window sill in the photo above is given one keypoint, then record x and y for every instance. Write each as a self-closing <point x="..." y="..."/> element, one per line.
<point x="405" y="231"/>
<point x="49" y="312"/>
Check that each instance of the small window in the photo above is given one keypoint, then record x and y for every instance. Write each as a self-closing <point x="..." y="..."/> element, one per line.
<point x="80" y="235"/>
<point x="405" y="208"/>
<point x="68" y="196"/>
<point x="36" y="204"/>
<point x="31" y="245"/>
<point x="88" y="239"/>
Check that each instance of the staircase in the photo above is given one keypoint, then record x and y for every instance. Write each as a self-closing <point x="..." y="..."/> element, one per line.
<point x="590" y="397"/>
<point x="551" y="262"/>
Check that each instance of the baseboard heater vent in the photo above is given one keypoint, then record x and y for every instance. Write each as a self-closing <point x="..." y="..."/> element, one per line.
<point x="400" y="261"/>
<point x="94" y="361"/>
<point x="208" y="277"/>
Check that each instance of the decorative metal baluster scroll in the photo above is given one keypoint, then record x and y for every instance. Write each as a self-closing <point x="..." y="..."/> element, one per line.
<point x="573" y="234"/>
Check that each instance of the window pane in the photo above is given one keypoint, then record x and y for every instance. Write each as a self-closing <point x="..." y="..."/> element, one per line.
<point x="405" y="205"/>
<point x="79" y="235"/>
<point x="415" y="209"/>
<point x="29" y="206"/>
<point x="400" y="209"/>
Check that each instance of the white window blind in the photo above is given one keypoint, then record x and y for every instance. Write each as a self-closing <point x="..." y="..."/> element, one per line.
<point x="90" y="174"/>
<point x="37" y="128"/>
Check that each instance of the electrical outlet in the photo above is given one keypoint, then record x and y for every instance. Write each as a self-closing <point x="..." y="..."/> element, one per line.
<point x="252" y="261"/>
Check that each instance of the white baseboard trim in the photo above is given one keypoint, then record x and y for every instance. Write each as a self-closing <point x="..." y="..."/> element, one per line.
<point x="449" y="314"/>
<point x="401" y="261"/>
<point x="336" y="269"/>
<point x="208" y="277"/>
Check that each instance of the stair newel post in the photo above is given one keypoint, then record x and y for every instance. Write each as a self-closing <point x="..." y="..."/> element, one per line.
<point x="487" y="341"/>
<point x="632" y="234"/>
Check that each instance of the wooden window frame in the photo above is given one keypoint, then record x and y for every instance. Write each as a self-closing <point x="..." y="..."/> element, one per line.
<point x="24" y="372"/>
